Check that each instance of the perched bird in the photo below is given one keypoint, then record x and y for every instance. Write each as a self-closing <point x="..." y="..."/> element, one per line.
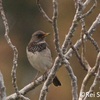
<point x="39" y="54"/>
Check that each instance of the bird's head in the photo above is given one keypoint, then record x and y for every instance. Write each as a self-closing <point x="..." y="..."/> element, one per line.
<point x="39" y="36"/>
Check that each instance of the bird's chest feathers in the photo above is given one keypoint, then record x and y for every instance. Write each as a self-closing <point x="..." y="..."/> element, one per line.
<point x="40" y="60"/>
<point x="37" y="56"/>
<point x="38" y="51"/>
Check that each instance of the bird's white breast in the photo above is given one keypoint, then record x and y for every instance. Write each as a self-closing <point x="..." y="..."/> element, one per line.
<point x="41" y="61"/>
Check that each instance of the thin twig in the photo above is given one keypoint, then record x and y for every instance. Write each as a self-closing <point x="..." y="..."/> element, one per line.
<point x="86" y="3"/>
<point x="43" y="12"/>
<point x="86" y="33"/>
<point x="90" y="10"/>
<point x="83" y="31"/>
<point x="95" y="44"/>
<point x="85" y="64"/>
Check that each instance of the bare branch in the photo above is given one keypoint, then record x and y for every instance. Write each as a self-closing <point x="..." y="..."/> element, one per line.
<point x="2" y="88"/>
<point x="73" y="80"/>
<point x="58" y="49"/>
<point x="87" y="2"/>
<point x="76" y="2"/>
<point x="95" y="82"/>
<point x="77" y="17"/>
<point x="55" y="28"/>
<point x="43" y="12"/>
<point x="94" y="43"/>
<point x="13" y="73"/>
<point x="44" y="90"/>
<point x="15" y="57"/>
<point x="62" y="57"/>
<point x="89" y="75"/>
<point x="90" y="32"/>
<point x="84" y="63"/>
<point x="90" y="10"/>
<point x="73" y="27"/>
<point x="29" y="87"/>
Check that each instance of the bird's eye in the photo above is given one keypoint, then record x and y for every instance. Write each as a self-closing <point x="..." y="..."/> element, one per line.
<point x="40" y="35"/>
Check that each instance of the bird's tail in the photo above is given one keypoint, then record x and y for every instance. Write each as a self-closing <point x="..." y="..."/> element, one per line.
<point x="56" y="81"/>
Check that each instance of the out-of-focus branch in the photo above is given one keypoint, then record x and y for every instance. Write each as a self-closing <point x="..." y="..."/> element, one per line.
<point x="43" y="12"/>
<point x="2" y="88"/>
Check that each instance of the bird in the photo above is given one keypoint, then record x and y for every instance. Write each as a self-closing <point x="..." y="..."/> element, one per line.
<point x="39" y="54"/>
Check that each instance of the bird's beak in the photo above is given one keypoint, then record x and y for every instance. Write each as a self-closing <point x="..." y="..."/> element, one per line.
<point x="46" y="34"/>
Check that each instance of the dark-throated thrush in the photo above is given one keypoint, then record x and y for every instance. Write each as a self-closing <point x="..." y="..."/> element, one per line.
<point x="39" y="54"/>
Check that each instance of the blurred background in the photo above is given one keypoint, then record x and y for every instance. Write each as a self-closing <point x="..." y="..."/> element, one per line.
<point x="24" y="18"/>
